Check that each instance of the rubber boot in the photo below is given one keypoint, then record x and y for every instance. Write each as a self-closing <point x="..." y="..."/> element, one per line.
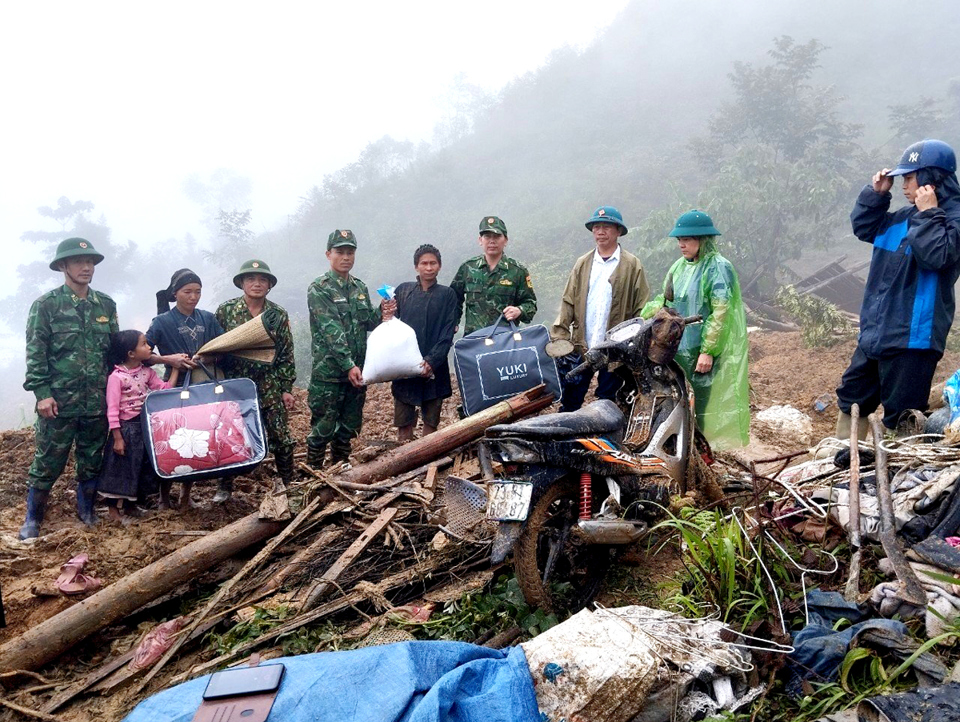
<point x="86" y="496"/>
<point x="224" y="491"/>
<point x="845" y="421"/>
<point x="340" y="454"/>
<point x="36" y="507"/>
<point x="285" y="466"/>
<point x="315" y="456"/>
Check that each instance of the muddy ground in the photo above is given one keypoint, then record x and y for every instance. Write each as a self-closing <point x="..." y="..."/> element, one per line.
<point x="782" y="371"/>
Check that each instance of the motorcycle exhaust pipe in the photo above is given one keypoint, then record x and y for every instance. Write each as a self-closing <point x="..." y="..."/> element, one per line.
<point x="611" y="531"/>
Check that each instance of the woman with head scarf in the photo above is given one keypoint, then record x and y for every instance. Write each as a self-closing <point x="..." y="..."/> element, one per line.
<point x="713" y="354"/>
<point x="177" y="334"/>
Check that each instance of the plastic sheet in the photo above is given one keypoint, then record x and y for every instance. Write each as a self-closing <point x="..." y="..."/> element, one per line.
<point x="709" y="287"/>
<point x="405" y="682"/>
<point x="392" y="353"/>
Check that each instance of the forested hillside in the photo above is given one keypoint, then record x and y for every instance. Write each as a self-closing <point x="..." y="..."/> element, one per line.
<point x="769" y="115"/>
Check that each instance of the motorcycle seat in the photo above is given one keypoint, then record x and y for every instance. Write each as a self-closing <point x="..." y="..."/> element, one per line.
<point x="600" y="417"/>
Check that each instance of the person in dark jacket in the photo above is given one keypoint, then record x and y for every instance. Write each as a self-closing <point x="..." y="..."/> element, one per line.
<point x="908" y="303"/>
<point x="431" y="310"/>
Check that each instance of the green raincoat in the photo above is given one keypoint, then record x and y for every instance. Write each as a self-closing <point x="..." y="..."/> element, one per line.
<point x="709" y="287"/>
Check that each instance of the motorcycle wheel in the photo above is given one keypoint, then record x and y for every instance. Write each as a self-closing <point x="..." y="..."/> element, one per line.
<point x="555" y="569"/>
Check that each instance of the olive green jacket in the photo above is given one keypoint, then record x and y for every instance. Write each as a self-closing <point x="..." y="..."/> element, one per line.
<point x="630" y="293"/>
<point x="67" y="343"/>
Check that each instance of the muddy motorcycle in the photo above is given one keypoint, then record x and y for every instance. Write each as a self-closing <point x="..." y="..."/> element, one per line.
<point x="576" y="487"/>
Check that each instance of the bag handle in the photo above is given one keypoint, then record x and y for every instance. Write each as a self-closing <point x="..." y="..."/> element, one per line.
<point x="185" y="389"/>
<point x="488" y="341"/>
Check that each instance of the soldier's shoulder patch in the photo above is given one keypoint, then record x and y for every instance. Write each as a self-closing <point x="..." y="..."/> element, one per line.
<point x="529" y="282"/>
<point x="102" y="319"/>
<point x="506" y="282"/>
<point x="361" y="296"/>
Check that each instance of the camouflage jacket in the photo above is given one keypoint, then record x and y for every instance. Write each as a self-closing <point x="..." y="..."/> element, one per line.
<point x="67" y="343"/>
<point x="484" y="293"/>
<point x="272" y="380"/>
<point x="340" y="317"/>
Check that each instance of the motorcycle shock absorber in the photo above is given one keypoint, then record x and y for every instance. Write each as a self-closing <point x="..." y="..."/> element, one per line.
<point x="586" y="496"/>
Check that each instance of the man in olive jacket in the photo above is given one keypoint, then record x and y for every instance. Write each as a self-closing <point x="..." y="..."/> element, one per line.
<point x="606" y="286"/>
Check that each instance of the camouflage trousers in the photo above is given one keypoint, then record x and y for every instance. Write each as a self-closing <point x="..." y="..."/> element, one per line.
<point x="336" y="416"/>
<point x="54" y="437"/>
<point x="277" y="427"/>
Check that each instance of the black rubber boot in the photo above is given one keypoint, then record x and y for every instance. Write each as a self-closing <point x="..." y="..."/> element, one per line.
<point x="315" y="456"/>
<point x="285" y="466"/>
<point x="224" y="491"/>
<point x="86" y="496"/>
<point x="36" y="507"/>
<point x="339" y="454"/>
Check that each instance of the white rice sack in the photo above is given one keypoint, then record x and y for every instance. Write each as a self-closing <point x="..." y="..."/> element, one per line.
<point x="392" y="353"/>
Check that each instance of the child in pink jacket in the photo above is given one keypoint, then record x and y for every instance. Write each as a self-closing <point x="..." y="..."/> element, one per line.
<point x="126" y="471"/>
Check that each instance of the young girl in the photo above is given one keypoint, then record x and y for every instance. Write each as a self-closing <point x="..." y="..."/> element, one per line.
<point x="126" y="467"/>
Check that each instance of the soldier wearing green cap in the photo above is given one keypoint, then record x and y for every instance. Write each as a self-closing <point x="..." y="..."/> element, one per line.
<point x="492" y="283"/>
<point x="341" y="315"/>
<point x="275" y="380"/>
<point x="68" y="336"/>
<point x="713" y="354"/>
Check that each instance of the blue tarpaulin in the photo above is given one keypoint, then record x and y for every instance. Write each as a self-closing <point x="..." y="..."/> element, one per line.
<point x="405" y="682"/>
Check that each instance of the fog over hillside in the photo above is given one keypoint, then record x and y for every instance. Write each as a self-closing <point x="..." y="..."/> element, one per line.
<point x="771" y="115"/>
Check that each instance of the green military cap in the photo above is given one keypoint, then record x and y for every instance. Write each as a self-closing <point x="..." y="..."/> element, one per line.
<point x="694" y="223"/>
<point x="254" y="266"/>
<point x="341" y="238"/>
<point x="75" y="247"/>
<point x="492" y="224"/>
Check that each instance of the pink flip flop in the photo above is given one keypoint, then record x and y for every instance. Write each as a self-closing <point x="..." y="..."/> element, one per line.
<point x="71" y="580"/>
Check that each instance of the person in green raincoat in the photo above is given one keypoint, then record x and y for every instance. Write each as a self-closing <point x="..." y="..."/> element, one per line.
<point x="713" y="354"/>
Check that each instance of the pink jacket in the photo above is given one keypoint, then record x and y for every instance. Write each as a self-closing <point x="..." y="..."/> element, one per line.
<point x="126" y="390"/>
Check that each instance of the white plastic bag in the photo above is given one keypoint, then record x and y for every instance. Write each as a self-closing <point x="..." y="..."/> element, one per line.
<point x="392" y="353"/>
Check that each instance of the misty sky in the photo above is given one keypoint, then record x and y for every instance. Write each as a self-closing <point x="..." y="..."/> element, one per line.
<point x="116" y="103"/>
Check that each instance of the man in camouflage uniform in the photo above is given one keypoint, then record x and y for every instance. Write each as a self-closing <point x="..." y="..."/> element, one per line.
<point x="491" y="284"/>
<point x="340" y="317"/>
<point x="274" y="381"/>
<point x="68" y="337"/>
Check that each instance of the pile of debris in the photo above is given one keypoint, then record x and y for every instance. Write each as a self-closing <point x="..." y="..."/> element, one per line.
<point x="361" y="539"/>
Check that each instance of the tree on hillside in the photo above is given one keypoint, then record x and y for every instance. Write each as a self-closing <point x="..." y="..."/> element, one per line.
<point x="780" y="167"/>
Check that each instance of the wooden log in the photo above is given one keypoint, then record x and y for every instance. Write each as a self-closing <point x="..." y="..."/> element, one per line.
<point x="910" y="588"/>
<point x="49" y="639"/>
<point x="447" y="439"/>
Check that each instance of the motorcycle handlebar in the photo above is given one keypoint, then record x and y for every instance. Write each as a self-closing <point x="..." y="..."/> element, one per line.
<point x="577" y="370"/>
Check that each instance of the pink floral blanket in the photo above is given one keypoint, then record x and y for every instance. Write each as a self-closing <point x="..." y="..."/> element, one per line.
<point x="199" y="438"/>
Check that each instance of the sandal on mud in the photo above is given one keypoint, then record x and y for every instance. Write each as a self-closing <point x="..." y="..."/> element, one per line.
<point x="72" y="581"/>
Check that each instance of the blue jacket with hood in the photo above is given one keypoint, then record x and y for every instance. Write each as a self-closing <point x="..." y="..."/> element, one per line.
<point x="909" y="302"/>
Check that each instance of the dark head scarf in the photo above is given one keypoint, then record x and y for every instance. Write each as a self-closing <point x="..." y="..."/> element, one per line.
<point x="948" y="190"/>
<point x="179" y="279"/>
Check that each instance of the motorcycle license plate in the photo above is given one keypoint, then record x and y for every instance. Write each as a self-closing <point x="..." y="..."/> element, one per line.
<point x="508" y="500"/>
